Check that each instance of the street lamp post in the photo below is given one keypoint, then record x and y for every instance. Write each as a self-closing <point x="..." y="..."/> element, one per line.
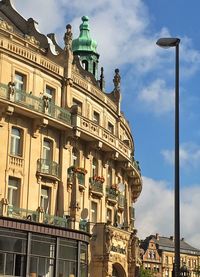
<point x="166" y="43"/>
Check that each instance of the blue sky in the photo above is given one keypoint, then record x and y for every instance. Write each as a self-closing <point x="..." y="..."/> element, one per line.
<point x="126" y="32"/>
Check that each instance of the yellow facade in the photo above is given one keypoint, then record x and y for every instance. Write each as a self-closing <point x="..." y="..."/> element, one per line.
<point x="158" y="256"/>
<point x="66" y="154"/>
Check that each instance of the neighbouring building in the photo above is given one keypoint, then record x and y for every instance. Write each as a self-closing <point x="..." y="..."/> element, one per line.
<point x="68" y="177"/>
<point x="158" y="256"/>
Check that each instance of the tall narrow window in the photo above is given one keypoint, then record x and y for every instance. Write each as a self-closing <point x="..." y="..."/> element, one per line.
<point x="96" y="117"/>
<point x="94" y="167"/>
<point x="50" y="92"/>
<point x="45" y="199"/>
<point x="47" y="156"/>
<point x="85" y="64"/>
<point x="16" y="142"/>
<point x="94" y="212"/>
<point x="14" y="192"/>
<point x="75" y="157"/>
<point x="109" y="215"/>
<point x="47" y="150"/>
<point x="109" y="176"/>
<point x="110" y="127"/>
<point x="20" y="81"/>
<point x="77" y="103"/>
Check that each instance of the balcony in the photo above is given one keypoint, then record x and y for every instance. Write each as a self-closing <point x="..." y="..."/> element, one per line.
<point x="24" y="214"/>
<point x="35" y="216"/>
<point x="56" y="220"/>
<point x="49" y="168"/>
<point x="34" y="103"/>
<point x="96" y="186"/>
<point x="111" y="195"/>
<point x="79" y="172"/>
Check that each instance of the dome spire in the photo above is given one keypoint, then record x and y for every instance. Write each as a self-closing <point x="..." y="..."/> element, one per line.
<point x="85" y="47"/>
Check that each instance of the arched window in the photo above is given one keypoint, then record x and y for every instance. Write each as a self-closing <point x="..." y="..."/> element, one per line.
<point x="85" y="64"/>
<point x="94" y="68"/>
<point x="16" y="142"/>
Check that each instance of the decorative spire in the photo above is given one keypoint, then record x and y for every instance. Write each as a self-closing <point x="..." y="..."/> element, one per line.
<point x="84" y="42"/>
<point x="68" y="37"/>
<point x="117" y="80"/>
<point x="102" y="82"/>
<point x="85" y="47"/>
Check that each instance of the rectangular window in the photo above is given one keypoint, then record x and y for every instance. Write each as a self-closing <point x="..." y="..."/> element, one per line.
<point x="47" y="150"/>
<point x="20" y="81"/>
<point x="45" y="199"/>
<point x="16" y="142"/>
<point x="94" y="212"/>
<point x="109" y="215"/>
<point x="77" y="103"/>
<point x="96" y="117"/>
<point x="110" y="128"/>
<point x="50" y="92"/>
<point x="14" y="192"/>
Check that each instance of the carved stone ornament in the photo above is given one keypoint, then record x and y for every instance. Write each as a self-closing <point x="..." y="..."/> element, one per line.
<point x="5" y="25"/>
<point x="32" y="40"/>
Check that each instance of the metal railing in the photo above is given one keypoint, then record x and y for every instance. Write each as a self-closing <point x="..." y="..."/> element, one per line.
<point x="111" y="193"/>
<point x="35" y="103"/>
<point x="96" y="185"/>
<point x="56" y="220"/>
<point x="20" y="213"/>
<point x="48" y="167"/>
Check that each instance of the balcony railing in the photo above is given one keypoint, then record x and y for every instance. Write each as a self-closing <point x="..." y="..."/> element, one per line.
<point x="20" y="213"/>
<point x="35" y="103"/>
<point x="30" y="215"/>
<point x="111" y="193"/>
<point x="48" y="167"/>
<point x="96" y="185"/>
<point x="56" y="220"/>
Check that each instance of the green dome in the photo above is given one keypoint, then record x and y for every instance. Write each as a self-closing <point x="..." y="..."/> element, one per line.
<point x="84" y="42"/>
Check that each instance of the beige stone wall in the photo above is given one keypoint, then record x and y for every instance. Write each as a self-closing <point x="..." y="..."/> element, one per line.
<point x="91" y="140"/>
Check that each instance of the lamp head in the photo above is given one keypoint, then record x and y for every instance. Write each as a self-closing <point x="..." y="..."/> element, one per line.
<point x="168" y="42"/>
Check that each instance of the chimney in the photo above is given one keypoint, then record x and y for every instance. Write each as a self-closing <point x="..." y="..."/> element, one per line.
<point x="157" y="236"/>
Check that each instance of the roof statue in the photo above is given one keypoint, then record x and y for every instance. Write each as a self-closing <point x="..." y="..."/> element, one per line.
<point x="68" y="37"/>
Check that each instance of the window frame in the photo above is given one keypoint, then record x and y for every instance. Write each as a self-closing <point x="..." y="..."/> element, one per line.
<point x="16" y="140"/>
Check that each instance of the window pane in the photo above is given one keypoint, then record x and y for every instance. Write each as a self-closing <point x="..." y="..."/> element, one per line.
<point x="94" y="212"/>
<point x="14" y="191"/>
<point x="68" y="250"/>
<point x="15" y="147"/>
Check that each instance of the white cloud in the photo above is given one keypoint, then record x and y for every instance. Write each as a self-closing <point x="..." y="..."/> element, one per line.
<point x="189" y="155"/>
<point x="157" y="97"/>
<point x="155" y="211"/>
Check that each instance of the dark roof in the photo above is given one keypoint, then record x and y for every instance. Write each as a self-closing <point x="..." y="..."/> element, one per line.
<point x="167" y="244"/>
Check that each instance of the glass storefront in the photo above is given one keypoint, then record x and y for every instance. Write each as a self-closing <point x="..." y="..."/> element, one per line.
<point x="35" y="255"/>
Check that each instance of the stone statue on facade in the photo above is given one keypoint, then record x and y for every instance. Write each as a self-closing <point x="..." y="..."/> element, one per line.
<point x="116" y="80"/>
<point x="108" y="240"/>
<point x="68" y="37"/>
<point x="11" y="88"/>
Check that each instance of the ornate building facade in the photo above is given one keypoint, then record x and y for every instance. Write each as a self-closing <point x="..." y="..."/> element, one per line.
<point x="68" y="177"/>
<point x="158" y="256"/>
